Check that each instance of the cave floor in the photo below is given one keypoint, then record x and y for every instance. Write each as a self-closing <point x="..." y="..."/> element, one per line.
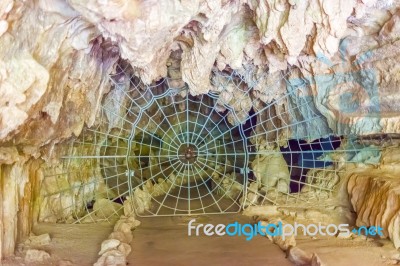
<point x="164" y="241"/>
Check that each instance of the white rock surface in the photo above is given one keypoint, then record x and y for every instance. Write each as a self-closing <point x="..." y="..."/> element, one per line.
<point x="40" y="240"/>
<point x="105" y="208"/>
<point x="108" y="244"/>
<point x="34" y="256"/>
<point x="116" y="248"/>
<point x="111" y="258"/>
<point x="272" y="171"/>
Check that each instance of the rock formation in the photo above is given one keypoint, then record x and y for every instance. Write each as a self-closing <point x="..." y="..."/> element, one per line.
<point x="333" y="64"/>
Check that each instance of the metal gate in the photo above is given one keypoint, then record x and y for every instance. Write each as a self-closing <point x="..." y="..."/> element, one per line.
<point x="245" y="142"/>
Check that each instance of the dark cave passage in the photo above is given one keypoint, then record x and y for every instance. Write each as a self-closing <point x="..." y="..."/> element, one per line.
<point x="302" y="156"/>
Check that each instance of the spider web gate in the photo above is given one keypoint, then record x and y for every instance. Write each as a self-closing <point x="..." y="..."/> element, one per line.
<point x="177" y="148"/>
<point x="214" y="153"/>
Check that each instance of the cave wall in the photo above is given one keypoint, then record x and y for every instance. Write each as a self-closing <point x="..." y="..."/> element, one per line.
<point x="19" y="185"/>
<point x="374" y="193"/>
<point x="55" y="57"/>
<point x="53" y="69"/>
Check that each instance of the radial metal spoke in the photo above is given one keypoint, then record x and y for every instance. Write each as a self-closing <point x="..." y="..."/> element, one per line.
<point x="155" y="133"/>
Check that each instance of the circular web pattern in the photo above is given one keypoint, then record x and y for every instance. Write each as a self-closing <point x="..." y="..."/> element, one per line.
<point x="173" y="151"/>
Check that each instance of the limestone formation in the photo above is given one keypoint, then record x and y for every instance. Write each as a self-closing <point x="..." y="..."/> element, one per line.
<point x="282" y="243"/>
<point x="271" y="170"/>
<point x="251" y="196"/>
<point x="36" y="256"/>
<point x="108" y="245"/>
<point x="72" y="70"/>
<point x="374" y="195"/>
<point x="116" y="248"/>
<point x="228" y="186"/>
<point x="299" y="257"/>
<point x="37" y="241"/>
<point x="104" y="208"/>
<point x="367" y="191"/>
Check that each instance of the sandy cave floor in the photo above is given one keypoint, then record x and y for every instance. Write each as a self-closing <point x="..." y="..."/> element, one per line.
<point x="164" y="241"/>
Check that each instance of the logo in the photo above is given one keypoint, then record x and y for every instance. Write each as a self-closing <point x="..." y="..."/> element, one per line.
<point x="284" y="230"/>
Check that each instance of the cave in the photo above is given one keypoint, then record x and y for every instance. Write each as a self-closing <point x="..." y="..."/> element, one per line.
<point x="220" y="132"/>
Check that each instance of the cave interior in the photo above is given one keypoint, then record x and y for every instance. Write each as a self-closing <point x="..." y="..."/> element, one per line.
<point x="125" y="122"/>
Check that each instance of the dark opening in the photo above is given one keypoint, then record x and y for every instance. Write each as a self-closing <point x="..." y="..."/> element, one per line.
<point x="302" y="156"/>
